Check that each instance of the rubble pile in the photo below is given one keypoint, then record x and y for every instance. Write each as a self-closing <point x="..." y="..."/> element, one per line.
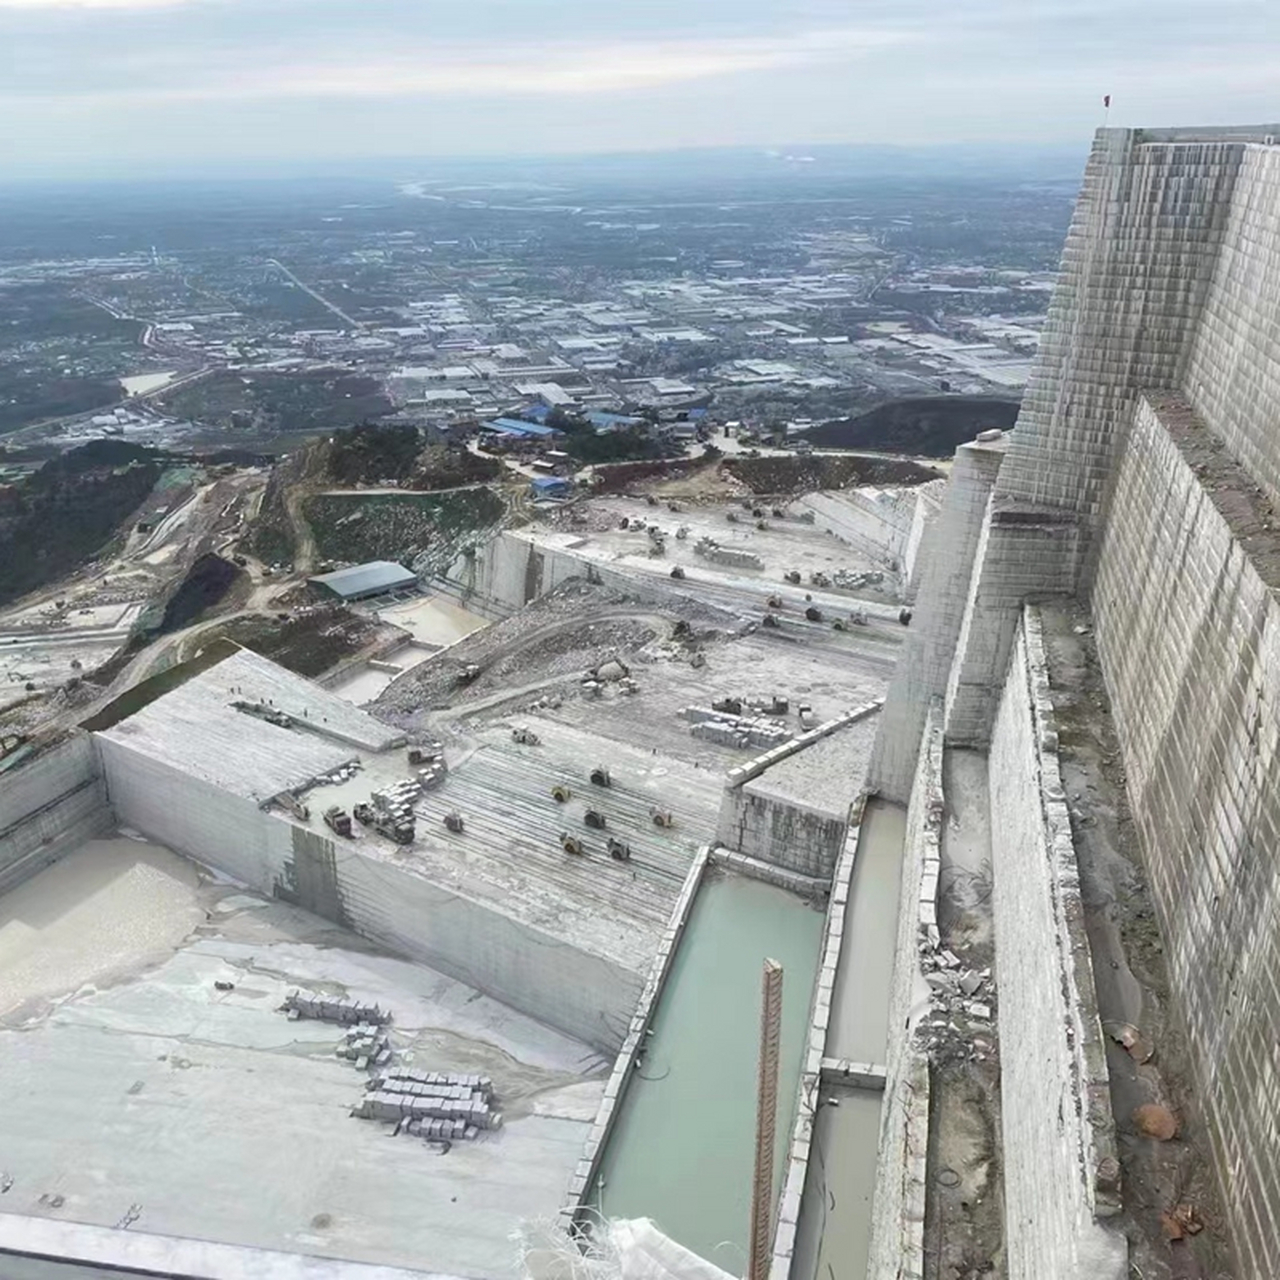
<point x="962" y="1006"/>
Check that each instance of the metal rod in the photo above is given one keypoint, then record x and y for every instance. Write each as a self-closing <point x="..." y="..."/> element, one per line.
<point x="766" y="1122"/>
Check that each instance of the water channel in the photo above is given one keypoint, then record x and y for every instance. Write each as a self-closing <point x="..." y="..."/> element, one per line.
<point x="682" y="1145"/>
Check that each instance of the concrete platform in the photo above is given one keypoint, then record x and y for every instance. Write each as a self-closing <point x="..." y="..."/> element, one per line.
<point x="134" y="1091"/>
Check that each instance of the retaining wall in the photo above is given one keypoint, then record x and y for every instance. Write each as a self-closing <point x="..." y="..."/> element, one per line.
<point x="39" y="1248"/>
<point x="1188" y="629"/>
<point x="49" y="806"/>
<point x="1233" y="377"/>
<point x="898" y="1211"/>
<point x="582" y="995"/>
<point x="787" y="833"/>
<point x="1061" y="1174"/>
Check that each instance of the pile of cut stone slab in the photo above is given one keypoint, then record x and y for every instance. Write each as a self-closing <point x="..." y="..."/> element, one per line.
<point x="437" y="1105"/>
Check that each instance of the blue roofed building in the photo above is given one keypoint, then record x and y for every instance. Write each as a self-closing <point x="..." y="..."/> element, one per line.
<point x="604" y="421"/>
<point x="543" y="488"/>
<point x="518" y="427"/>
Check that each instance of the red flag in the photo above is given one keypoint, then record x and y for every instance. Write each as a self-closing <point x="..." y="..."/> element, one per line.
<point x="1106" y="101"/>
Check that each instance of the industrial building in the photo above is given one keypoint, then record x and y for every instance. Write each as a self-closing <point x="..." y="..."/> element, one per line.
<point x="360" y="581"/>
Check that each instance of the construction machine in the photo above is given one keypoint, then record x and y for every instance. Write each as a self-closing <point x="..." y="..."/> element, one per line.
<point x="338" y="820"/>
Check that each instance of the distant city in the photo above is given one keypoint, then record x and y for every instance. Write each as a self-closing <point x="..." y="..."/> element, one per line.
<point x="259" y="314"/>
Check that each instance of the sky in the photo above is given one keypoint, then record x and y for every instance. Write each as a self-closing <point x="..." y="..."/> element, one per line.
<point x="123" y="87"/>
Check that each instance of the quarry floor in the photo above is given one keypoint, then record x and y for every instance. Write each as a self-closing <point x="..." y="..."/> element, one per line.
<point x="134" y="1090"/>
<point x="785" y="544"/>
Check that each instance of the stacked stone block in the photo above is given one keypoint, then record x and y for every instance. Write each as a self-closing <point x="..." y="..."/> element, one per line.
<point x="436" y="1105"/>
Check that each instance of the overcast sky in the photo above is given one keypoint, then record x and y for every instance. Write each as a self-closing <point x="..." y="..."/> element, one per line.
<point x="99" y="86"/>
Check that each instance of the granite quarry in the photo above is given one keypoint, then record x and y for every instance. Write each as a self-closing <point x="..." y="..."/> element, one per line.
<point x="360" y="976"/>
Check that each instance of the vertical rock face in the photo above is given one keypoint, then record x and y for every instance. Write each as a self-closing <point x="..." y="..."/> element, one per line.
<point x="1145" y="467"/>
<point x="1233" y="374"/>
<point x="1136" y="271"/>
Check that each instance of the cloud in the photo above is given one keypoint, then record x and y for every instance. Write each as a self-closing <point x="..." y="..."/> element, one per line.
<point x="456" y="69"/>
<point x="95" y="4"/>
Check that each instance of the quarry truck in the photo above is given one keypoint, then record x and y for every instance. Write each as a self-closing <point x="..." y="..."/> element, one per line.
<point x="338" y="820"/>
<point x="394" y="826"/>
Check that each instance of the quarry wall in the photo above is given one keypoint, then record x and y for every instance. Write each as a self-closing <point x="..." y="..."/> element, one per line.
<point x="805" y="838"/>
<point x="1136" y="271"/>
<point x="582" y="995"/>
<point x="48" y="807"/>
<point x="898" y="1210"/>
<point x="1233" y="377"/>
<point x="1188" y="629"/>
<point x="508" y="572"/>
<point x="1061" y="1173"/>
<point x="884" y="525"/>
<point x="1021" y="552"/>
<point x="947" y="555"/>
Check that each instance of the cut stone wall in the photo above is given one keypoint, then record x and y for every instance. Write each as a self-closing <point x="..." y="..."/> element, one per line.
<point x="898" y="1211"/>
<point x="1188" y="629"/>
<point x="1233" y="378"/>
<point x="1022" y="552"/>
<point x="1061" y="1174"/>
<point x="1136" y="272"/>
<point x="884" y="525"/>
<point x="947" y="555"/>
<point x="49" y="806"/>
<point x="787" y="833"/>
<point x="580" y="994"/>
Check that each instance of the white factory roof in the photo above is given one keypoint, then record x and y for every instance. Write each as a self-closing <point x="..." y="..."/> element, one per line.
<point x="367" y="579"/>
<point x="197" y="729"/>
